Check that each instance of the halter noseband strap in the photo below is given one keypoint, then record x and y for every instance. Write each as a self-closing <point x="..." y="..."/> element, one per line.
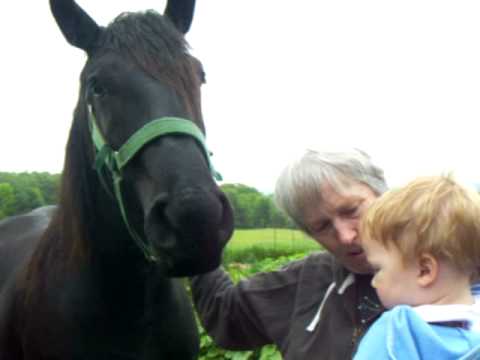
<point x="115" y="161"/>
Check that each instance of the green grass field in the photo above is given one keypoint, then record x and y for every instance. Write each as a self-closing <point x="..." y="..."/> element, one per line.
<point x="253" y="245"/>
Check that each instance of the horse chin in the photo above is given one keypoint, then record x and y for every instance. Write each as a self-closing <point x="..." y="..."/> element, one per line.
<point x="182" y="266"/>
<point x="178" y="262"/>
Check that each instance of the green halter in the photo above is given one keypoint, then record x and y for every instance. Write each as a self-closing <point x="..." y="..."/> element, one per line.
<point x="115" y="161"/>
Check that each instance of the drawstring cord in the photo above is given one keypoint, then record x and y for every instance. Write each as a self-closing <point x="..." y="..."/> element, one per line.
<point x="349" y="280"/>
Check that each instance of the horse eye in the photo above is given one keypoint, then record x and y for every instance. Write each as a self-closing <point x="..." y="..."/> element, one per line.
<point x="95" y="88"/>
<point x="98" y="90"/>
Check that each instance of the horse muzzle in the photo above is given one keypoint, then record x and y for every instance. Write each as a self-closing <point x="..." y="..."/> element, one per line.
<point x="189" y="229"/>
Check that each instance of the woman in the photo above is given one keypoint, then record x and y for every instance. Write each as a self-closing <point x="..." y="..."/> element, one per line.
<point x="320" y="306"/>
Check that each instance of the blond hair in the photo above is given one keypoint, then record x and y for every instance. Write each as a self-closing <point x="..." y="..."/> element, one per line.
<point x="434" y="215"/>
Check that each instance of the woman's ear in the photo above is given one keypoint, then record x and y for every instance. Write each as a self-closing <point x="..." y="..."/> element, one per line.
<point x="427" y="270"/>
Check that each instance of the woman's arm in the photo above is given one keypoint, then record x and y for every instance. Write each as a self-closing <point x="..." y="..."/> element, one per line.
<point x="250" y="314"/>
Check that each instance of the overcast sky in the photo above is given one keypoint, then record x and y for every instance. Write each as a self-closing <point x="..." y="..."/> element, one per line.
<point x="398" y="79"/>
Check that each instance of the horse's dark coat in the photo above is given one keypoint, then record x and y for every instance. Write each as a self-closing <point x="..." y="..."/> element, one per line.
<point x="73" y="284"/>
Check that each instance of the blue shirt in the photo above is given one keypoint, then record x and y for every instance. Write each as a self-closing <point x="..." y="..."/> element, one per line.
<point x="402" y="334"/>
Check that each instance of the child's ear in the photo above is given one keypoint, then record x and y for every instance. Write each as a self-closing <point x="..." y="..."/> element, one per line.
<point x="427" y="270"/>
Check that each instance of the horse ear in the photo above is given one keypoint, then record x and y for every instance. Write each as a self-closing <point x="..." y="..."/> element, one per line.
<point x="77" y="26"/>
<point x="180" y="12"/>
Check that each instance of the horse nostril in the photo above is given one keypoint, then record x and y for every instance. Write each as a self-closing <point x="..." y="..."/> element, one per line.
<point x="158" y="205"/>
<point x="155" y="221"/>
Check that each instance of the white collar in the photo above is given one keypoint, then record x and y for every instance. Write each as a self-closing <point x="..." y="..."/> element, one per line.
<point x="451" y="312"/>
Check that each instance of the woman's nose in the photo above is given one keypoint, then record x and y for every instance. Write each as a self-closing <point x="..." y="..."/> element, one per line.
<point x="346" y="231"/>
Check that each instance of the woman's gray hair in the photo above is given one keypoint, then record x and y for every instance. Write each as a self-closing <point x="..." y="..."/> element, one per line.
<point x="300" y="183"/>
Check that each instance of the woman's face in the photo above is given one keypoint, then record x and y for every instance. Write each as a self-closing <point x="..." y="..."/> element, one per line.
<point x="334" y="223"/>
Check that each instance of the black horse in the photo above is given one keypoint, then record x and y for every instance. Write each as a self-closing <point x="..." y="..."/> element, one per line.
<point x="96" y="276"/>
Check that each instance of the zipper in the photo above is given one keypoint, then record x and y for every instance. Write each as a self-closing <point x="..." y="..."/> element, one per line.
<point x="367" y="311"/>
<point x="357" y="331"/>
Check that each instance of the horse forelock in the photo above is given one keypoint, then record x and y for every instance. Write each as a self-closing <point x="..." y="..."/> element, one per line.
<point x="152" y="42"/>
<point x="146" y="36"/>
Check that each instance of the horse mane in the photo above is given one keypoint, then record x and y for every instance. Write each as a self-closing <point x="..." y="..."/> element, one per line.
<point x="151" y="42"/>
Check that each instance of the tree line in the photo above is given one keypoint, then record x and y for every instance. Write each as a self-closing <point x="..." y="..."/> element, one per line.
<point x="22" y="192"/>
<point x="253" y="209"/>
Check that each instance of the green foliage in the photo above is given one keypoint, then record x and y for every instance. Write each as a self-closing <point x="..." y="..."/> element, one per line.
<point x="22" y="192"/>
<point x="252" y="209"/>
<point x="7" y="199"/>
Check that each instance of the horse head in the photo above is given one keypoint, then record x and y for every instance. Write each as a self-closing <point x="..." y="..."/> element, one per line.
<point x="138" y="122"/>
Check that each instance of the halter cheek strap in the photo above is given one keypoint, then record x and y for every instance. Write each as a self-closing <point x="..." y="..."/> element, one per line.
<point x="107" y="159"/>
